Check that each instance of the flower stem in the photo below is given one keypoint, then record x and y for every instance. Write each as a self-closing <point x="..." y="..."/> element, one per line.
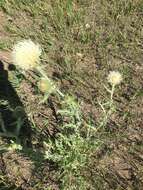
<point x="112" y="92"/>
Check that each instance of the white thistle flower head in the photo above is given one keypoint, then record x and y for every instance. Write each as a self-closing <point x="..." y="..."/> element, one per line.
<point x="26" y="54"/>
<point x="87" y="26"/>
<point x="114" y="77"/>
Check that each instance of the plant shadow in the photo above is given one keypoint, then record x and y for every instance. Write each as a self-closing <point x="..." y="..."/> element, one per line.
<point x="12" y="110"/>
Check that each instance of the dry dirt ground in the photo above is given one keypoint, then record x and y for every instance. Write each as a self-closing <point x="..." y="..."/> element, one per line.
<point x="78" y="59"/>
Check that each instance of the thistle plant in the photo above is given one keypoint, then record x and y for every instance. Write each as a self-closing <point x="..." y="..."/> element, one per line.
<point x="71" y="149"/>
<point x="26" y="55"/>
<point x="114" y="78"/>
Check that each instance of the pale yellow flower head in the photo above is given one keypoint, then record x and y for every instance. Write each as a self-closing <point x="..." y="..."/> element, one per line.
<point x="26" y="54"/>
<point x="46" y="86"/>
<point x="114" y="78"/>
<point x="87" y="26"/>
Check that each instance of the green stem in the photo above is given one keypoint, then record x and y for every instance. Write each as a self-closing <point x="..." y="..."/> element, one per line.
<point x="112" y="93"/>
<point x="60" y="93"/>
